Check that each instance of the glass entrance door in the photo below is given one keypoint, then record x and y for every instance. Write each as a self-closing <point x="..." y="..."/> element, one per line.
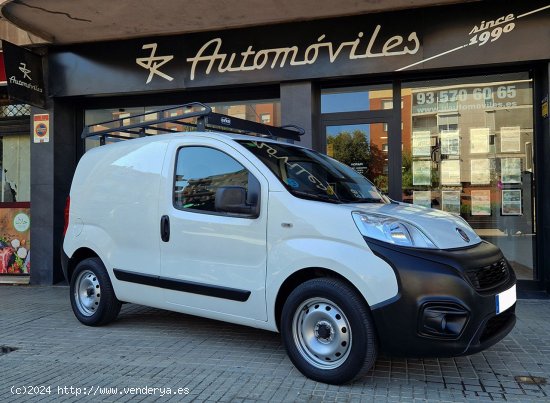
<point x="363" y="146"/>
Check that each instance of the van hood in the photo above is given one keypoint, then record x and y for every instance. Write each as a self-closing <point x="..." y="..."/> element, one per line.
<point x="443" y="229"/>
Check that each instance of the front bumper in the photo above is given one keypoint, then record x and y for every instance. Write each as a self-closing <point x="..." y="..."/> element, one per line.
<point x="434" y="281"/>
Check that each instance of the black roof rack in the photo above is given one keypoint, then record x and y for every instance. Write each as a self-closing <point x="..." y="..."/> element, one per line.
<point x="206" y="119"/>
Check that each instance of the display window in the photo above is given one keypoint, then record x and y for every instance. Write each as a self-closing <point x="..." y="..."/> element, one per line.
<point x="266" y="111"/>
<point x="15" y="192"/>
<point x="468" y="147"/>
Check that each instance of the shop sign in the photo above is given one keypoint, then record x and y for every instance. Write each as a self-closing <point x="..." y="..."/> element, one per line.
<point x="359" y="167"/>
<point x="24" y="75"/>
<point x="479" y="97"/>
<point x="41" y="128"/>
<point x="437" y="37"/>
<point x="210" y="54"/>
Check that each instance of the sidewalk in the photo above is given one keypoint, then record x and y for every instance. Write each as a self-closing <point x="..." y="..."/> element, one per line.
<point x="216" y="361"/>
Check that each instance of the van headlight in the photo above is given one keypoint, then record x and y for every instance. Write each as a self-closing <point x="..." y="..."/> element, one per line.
<point x="391" y="230"/>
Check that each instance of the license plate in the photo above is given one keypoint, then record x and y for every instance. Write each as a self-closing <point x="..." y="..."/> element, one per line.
<point x="505" y="299"/>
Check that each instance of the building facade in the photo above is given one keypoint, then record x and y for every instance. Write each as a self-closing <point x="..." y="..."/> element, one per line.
<point x="445" y="107"/>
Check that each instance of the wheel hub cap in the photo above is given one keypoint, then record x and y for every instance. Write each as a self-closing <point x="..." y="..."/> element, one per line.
<point x="87" y="293"/>
<point x="322" y="333"/>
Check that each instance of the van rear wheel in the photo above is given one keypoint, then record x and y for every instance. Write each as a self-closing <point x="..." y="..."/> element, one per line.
<point x="328" y="332"/>
<point x="92" y="296"/>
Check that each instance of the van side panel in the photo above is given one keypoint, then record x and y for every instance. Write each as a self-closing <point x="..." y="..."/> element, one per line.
<point x="115" y="196"/>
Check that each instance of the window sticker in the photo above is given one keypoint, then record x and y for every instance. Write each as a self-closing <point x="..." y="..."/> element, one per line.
<point x="293" y="183"/>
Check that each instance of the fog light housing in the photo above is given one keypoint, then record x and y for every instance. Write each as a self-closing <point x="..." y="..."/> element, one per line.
<point x="442" y="320"/>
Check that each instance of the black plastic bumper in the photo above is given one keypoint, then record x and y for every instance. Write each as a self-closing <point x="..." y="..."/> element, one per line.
<point x="435" y="279"/>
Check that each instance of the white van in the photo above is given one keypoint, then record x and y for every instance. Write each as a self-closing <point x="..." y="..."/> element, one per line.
<point x="268" y="234"/>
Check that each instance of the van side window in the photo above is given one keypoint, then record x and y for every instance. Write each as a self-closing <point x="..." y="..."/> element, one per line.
<point x="200" y="171"/>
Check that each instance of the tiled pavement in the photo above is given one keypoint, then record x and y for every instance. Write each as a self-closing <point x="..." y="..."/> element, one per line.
<point x="218" y="361"/>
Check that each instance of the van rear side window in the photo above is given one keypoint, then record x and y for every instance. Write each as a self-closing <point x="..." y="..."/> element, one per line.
<point x="200" y="171"/>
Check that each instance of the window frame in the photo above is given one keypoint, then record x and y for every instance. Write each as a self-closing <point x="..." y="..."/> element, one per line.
<point x="208" y="212"/>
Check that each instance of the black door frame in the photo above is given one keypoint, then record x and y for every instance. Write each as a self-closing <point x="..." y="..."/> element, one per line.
<point x="393" y="119"/>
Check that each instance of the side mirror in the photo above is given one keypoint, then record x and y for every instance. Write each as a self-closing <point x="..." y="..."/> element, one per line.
<point x="232" y="199"/>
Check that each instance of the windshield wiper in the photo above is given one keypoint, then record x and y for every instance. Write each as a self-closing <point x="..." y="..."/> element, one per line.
<point x="315" y="196"/>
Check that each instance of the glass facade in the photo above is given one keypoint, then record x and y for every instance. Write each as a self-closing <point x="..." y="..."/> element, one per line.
<point x="468" y="148"/>
<point x="266" y="111"/>
<point x="363" y="147"/>
<point x="15" y="168"/>
<point x="354" y="99"/>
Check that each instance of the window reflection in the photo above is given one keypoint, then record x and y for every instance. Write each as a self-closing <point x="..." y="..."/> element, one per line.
<point x="200" y="172"/>
<point x="15" y="168"/>
<point x="467" y="149"/>
<point x="363" y="147"/>
<point x="267" y="111"/>
<point x="353" y="99"/>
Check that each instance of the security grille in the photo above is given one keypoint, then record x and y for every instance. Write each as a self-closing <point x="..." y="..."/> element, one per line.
<point x="12" y="111"/>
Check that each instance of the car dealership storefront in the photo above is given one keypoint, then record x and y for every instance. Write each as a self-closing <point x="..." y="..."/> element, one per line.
<point x="445" y="107"/>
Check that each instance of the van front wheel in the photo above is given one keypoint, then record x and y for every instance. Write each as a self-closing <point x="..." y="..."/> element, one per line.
<point x="92" y="297"/>
<point x="328" y="332"/>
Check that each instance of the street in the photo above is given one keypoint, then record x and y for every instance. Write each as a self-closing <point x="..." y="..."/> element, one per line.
<point x="150" y="354"/>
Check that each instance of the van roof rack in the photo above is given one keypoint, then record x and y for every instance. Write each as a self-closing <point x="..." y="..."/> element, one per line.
<point x="206" y="119"/>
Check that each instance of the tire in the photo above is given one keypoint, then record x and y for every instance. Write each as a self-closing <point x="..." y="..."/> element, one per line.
<point x="93" y="299"/>
<point x="328" y="332"/>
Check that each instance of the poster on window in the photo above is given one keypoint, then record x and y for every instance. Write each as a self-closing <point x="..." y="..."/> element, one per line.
<point x="422" y="173"/>
<point x="511" y="202"/>
<point x="15" y="241"/>
<point x="450" y="142"/>
<point x="481" y="202"/>
<point x="422" y="198"/>
<point x="480" y="172"/>
<point x="479" y="140"/>
<point x="450" y="201"/>
<point x="510" y="139"/>
<point x="421" y="143"/>
<point x="450" y="172"/>
<point x="510" y="169"/>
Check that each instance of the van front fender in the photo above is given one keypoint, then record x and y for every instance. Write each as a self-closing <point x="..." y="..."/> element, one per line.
<point x="371" y="276"/>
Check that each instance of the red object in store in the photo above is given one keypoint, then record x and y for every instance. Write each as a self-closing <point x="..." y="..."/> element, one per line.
<point x="2" y="68"/>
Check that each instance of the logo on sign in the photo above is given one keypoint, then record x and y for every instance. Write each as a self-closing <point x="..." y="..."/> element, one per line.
<point x="41" y="130"/>
<point x="23" y="68"/>
<point x="21" y="222"/>
<point x="226" y="121"/>
<point x="153" y="63"/>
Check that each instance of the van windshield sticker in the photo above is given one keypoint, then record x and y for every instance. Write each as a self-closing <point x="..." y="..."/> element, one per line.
<point x="295" y="167"/>
<point x="292" y="183"/>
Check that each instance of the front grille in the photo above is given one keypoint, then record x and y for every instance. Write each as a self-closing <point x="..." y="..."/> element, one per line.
<point x="496" y="324"/>
<point x="489" y="277"/>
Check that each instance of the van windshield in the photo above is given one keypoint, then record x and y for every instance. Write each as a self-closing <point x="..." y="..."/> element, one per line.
<point x="311" y="175"/>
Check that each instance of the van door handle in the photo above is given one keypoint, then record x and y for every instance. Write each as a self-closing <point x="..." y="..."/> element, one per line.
<point x="165" y="228"/>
